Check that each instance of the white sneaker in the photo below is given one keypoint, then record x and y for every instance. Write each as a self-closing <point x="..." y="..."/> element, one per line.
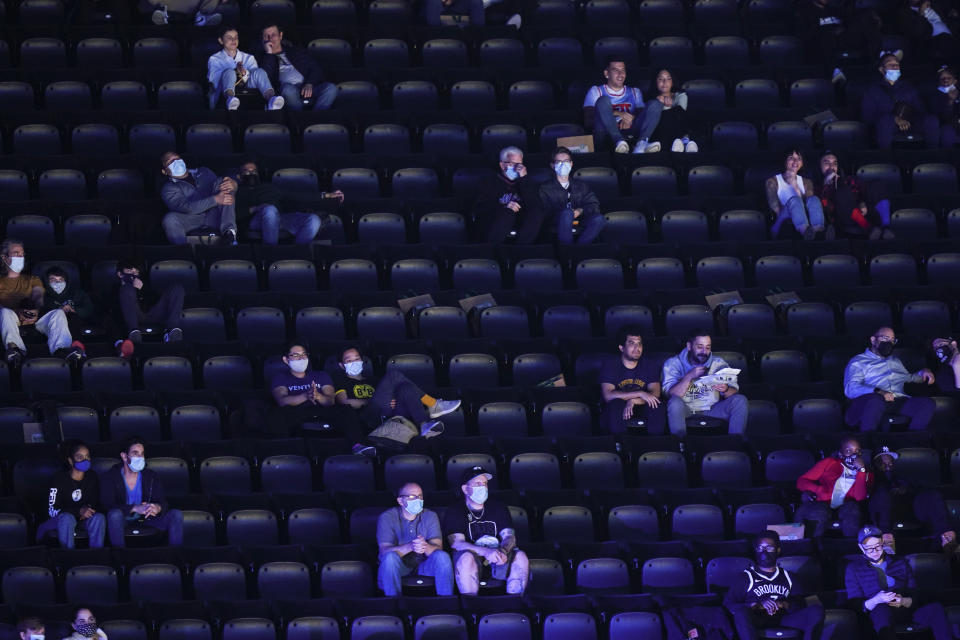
<point x="515" y="21"/>
<point x="275" y="103"/>
<point x="677" y="146"/>
<point x="653" y="147"/>
<point x="160" y="16"/>
<point x="207" y="20"/>
<point x="443" y="407"/>
<point x="431" y="428"/>
<point x="233" y="103"/>
<point x="691" y="147"/>
<point x="640" y="147"/>
<point x="622" y="147"/>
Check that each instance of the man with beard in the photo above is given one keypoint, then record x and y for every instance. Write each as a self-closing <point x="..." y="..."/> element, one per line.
<point x="855" y="207"/>
<point x="896" y="493"/>
<point x="883" y="587"/>
<point x="509" y="203"/>
<point x="688" y="396"/>
<point x="837" y="486"/>
<point x="630" y="386"/>
<point x="766" y="595"/>
<point x="873" y="382"/>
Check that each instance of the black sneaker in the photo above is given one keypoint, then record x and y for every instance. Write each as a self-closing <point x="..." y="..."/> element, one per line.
<point x="174" y="335"/>
<point x="135" y="336"/>
<point x="73" y="355"/>
<point x="14" y="357"/>
<point x="229" y="237"/>
<point x="364" y="450"/>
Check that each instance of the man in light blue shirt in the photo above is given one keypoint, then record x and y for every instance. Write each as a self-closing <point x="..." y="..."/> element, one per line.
<point x="686" y="394"/>
<point x="873" y="382"/>
<point x="410" y="541"/>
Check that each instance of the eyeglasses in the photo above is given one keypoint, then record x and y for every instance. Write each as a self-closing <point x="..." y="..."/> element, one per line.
<point x="886" y="339"/>
<point x="765" y="547"/>
<point x="413" y="496"/>
<point x="515" y="165"/>
<point x="873" y="548"/>
<point x="298" y="356"/>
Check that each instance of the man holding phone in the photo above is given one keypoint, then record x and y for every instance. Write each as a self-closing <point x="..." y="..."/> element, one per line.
<point x="21" y="298"/>
<point x="132" y="296"/>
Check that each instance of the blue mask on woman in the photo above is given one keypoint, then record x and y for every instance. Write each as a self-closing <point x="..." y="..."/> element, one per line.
<point x="82" y="466"/>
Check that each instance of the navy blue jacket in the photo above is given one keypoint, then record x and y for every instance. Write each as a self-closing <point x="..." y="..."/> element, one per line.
<point x="113" y="490"/>
<point x="298" y="57"/>
<point x="863" y="580"/>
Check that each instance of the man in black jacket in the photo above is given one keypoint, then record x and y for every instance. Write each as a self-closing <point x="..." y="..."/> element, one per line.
<point x="883" y="587"/>
<point x="293" y="73"/>
<point x="131" y="296"/>
<point x="765" y="595"/>
<point x="570" y="202"/>
<point x="134" y="494"/>
<point x="509" y="203"/>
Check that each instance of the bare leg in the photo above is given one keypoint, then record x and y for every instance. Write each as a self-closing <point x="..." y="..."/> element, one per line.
<point x="468" y="574"/>
<point x="519" y="572"/>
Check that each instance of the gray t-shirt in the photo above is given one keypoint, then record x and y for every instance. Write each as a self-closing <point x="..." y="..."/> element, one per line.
<point x="394" y="529"/>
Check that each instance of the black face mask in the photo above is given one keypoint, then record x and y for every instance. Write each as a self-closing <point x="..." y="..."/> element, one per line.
<point x="944" y="352"/>
<point x="250" y="179"/>
<point x="885" y="349"/>
<point x="767" y="558"/>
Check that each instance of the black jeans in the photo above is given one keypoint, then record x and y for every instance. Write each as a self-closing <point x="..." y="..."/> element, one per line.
<point x="612" y="419"/>
<point x="865" y="412"/>
<point x="926" y="505"/>
<point x="808" y="619"/>
<point x="166" y="311"/>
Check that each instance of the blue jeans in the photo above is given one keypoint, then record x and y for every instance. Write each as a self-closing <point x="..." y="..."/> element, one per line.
<point x="590" y="226"/>
<point x="324" y="94"/>
<point x="65" y="524"/>
<point x="605" y="123"/>
<point x="170" y="521"/>
<point x="437" y="564"/>
<point x="733" y="409"/>
<point x="268" y="220"/>
<point x="801" y="217"/>
<point x="256" y="80"/>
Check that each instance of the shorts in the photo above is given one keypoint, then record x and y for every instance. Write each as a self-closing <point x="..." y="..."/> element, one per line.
<point x="497" y="572"/>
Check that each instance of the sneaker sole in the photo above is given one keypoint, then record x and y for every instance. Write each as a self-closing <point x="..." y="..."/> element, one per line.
<point x="443" y="413"/>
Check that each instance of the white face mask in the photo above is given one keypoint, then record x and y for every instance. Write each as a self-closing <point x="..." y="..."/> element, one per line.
<point x="16" y="264"/>
<point x="946" y="89"/>
<point x="58" y="287"/>
<point x="137" y="463"/>
<point x="298" y="366"/>
<point x="354" y="368"/>
<point x="177" y="168"/>
<point x="36" y="636"/>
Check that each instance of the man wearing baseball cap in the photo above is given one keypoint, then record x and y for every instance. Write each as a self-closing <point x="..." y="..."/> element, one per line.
<point x="896" y="495"/>
<point x="883" y="587"/>
<point x="482" y="537"/>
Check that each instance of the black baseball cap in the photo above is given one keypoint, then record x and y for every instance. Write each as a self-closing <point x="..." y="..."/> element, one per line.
<point x="473" y="472"/>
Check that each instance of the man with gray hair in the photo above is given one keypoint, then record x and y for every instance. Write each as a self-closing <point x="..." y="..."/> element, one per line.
<point x="508" y="204"/>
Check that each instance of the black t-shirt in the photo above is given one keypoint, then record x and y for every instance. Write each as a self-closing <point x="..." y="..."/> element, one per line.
<point x="355" y="389"/>
<point x="490" y="521"/>
<point x="624" y="379"/>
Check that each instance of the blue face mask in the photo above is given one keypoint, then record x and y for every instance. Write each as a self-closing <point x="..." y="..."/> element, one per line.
<point x="511" y="173"/>
<point x="137" y="463"/>
<point x="946" y="89"/>
<point x="414" y="507"/>
<point x="82" y="466"/>
<point x="479" y="495"/>
<point x="177" y="168"/>
<point x="563" y="169"/>
<point x="892" y="74"/>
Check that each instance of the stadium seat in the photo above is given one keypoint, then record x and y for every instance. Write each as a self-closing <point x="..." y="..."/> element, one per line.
<point x="444" y="53"/>
<point x="726" y="469"/>
<point x="893" y="270"/>
<point x="225" y="474"/>
<point x="222" y="581"/>
<point x="597" y="470"/>
<point x="247" y="527"/>
<point x="927" y="318"/>
<point x="28" y="585"/>
<point x="286" y="474"/>
<point x="504" y="322"/>
<point x="227" y="373"/>
<point x="538" y="274"/>
<point x="155" y="583"/>
<point x="353" y="274"/>
<point x="684" y="226"/>
<point x="125" y="422"/>
<point x="752" y="519"/>
<point x="535" y="471"/>
<point x="376" y="628"/>
<point x="676" y="51"/>
<point x="313" y="526"/>
<point x="69" y="95"/>
<point x="603" y="575"/>
<point x="667" y="575"/>
<point x="386" y="323"/>
<point x="442" y="322"/>
<point x="757" y="93"/>
<point x="440" y="626"/>
<point x="785" y="272"/>
<point x="346" y="578"/>
<point x="168" y="373"/>
<point x="504" y="626"/>
<point x="836" y="271"/>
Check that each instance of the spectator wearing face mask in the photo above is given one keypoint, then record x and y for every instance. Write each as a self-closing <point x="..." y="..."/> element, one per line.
<point x="74" y="500"/>
<point x="508" y="204"/>
<point x="837" y="486"/>
<point x="260" y="204"/>
<point x="873" y="382"/>
<point x="948" y="369"/>
<point x="892" y="105"/>
<point x="392" y="395"/>
<point x="84" y="625"/>
<point x="61" y="293"/>
<point x="409" y="540"/>
<point x="945" y="105"/>
<point x="134" y="497"/>
<point x="570" y="202"/>
<point x="31" y="629"/>
<point x="305" y="396"/>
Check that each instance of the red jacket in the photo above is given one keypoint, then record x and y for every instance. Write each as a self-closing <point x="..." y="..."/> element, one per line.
<point x="823" y="476"/>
